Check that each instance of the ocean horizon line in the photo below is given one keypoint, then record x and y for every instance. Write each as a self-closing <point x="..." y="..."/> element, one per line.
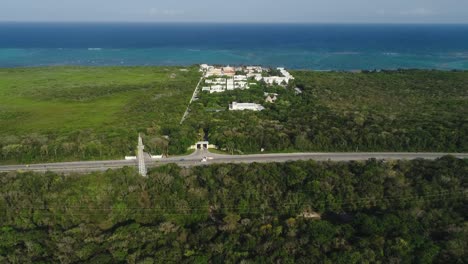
<point x="241" y="23"/>
<point x="309" y="46"/>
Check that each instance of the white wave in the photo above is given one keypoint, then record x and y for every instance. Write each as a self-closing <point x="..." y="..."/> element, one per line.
<point x="391" y="53"/>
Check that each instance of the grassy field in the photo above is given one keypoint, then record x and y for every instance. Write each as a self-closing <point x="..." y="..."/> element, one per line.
<point x="103" y="102"/>
<point x="85" y="113"/>
<point x="65" y="99"/>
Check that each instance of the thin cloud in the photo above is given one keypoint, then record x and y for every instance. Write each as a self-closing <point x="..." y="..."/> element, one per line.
<point x="381" y="12"/>
<point x="417" y="12"/>
<point x="165" y="12"/>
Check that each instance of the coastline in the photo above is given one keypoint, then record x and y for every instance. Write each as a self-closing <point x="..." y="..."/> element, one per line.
<point x="292" y="59"/>
<point x="294" y="46"/>
<point x="355" y="71"/>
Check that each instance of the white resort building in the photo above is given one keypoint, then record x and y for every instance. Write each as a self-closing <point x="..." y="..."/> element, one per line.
<point x="279" y="79"/>
<point x="217" y="89"/>
<point x="235" y="106"/>
<point x="220" y="79"/>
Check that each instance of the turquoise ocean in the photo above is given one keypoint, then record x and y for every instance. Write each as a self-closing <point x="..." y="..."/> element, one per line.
<point x="296" y="46"/>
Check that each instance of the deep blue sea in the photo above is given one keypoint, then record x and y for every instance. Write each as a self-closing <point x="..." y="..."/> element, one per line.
<point x="304" y="46"/>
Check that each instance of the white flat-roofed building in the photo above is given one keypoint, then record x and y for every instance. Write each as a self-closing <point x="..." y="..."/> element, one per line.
<point x="230" y="84"/>
<point x="220" y="82"/>
<point x="235" y="106"/>
<point x="285" y="73"/>
<point x="276" y="80"/>
<point x="217" y="89"/>
<point x="271" y="80"/>
<point x="240" y="78"/>
<point x="256" y="76"/>
<point x="204" y="67"/>
<point x="241" y="85"/>
<point x="253" y="69"/>
<point x="206" y="89"/>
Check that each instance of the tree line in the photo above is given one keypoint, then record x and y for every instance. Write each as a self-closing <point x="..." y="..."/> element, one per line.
<point x="386" y="111"/>
<point x="295" y="212"/>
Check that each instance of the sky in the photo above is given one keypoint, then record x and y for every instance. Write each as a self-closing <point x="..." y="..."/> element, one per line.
<point x="245" y="11"/>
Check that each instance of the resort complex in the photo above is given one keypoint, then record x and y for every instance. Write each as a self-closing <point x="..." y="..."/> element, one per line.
<point x="221" y="79"/>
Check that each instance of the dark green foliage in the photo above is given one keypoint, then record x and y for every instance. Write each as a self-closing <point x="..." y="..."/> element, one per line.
<point x="388" y="111"/>
<point x="79" y="113"/>
<point x="371" y="212"/>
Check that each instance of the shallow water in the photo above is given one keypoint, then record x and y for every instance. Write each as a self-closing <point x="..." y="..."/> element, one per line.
<point x="310" y="46"/>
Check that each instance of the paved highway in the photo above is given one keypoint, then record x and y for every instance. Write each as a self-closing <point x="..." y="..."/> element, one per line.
<point x="195" y="160"/>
